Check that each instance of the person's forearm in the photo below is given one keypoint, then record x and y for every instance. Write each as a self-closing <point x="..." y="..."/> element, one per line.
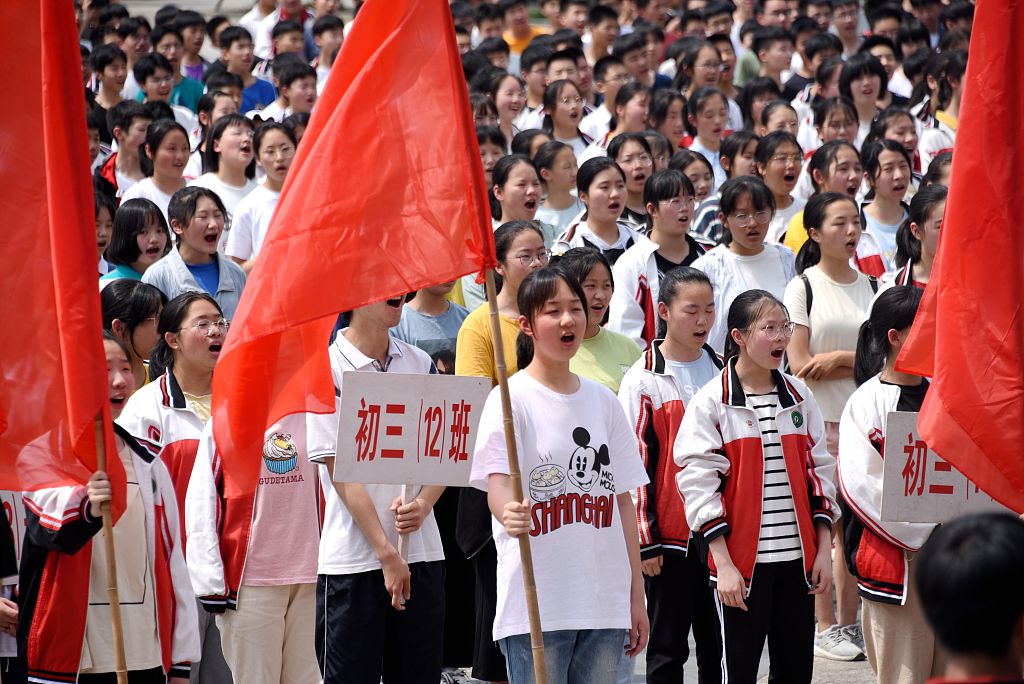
<point x="499" y="493"/>
<point x="720" y="552"/>
<point x="627" y="514"/>
<point x="429" y="495"/>
<point x="364" y="513"/>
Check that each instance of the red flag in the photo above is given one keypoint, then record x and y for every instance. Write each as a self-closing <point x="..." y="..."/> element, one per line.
<point x="52" y="368"/>
<point x="969" y="333"/>
<point x="384" y="197"/>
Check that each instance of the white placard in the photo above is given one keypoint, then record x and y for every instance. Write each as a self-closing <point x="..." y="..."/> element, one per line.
<point x="920" y="486"/>
<point x="408" y="428"/>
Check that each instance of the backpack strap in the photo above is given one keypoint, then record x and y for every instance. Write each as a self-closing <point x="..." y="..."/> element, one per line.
<point x="809" y="294"/>
<point x="873" y="281"/>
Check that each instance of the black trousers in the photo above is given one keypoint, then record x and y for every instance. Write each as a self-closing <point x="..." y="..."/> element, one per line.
<point x="779" y="609"/>
<point x="677" y="599"/>
<point x="154" y="676"/>
<point x="361" y="639"/>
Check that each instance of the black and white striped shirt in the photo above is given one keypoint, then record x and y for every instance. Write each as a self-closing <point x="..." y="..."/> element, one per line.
<point x="779" y="539"/>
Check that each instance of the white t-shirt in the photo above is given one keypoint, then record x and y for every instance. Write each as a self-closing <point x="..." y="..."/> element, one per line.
<point x="146" y="189"/>
<point x="780" y="222"/>
<point x="715" y="159"/>
<point x="561" y="219"/>
<point x="577" y="453"/>
<point x="837" y="310"/>
<point x="760" y="271"/>
<point x="578" y="145"/>
<point x="344" y="549"/>
<point x="250" y="223"/>
<point x="597" y="123"/>
<point x="692" y="375"/>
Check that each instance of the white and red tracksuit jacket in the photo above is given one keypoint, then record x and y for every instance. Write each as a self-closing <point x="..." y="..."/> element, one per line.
<point x="633" y="310"/>
<point x="876" y="551"/>
<point x="720" y="453"/>
<point x="218" y="527"/>
<point x="159" y="417"/>
<point x="56" y="563"/>
<point x="654" y="406"/>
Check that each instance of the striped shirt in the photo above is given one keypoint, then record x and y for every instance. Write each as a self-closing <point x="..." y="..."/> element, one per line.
<point x="779" y="539"/>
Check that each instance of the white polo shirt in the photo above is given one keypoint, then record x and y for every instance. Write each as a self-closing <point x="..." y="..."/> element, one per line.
<point x="344" y="550"/>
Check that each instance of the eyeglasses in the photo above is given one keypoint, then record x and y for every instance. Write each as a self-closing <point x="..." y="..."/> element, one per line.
<point x="709" y="67"/>
<point x="571" y="100"/>
<point x="621" y="78"/>
<point x="642" y="158"/>
<point x="773" y="332"/>
<point x="839" y="125"/>
<point x="676" y="204"/>
<point x="743" y="220"/>
<point x="785" y="158"/>
<point x="542" y="257"/>
<point x="161" y="80"/>
<point x="844" y="16"/>
<point x="207" y="328"/>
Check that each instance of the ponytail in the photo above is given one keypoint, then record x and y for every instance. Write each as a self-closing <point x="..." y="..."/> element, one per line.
<point x="908" y="246"/>
<point x="894" y="309"/>
<point x="744" y="312"/>
<point x="814" y="217"/>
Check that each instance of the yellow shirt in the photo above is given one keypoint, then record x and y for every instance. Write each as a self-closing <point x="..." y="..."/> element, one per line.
<point x="796" y="234"/>
<point x="474" y="348"/>
<point x="605" y="358"/>
<point x="947" y="119"/>
<point x="515" y="46"/>
<point x="201" y="405"/>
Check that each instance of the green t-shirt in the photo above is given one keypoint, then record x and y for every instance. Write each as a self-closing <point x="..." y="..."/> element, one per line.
<point x="605" y="358"/>
<point x="184" y="94"/>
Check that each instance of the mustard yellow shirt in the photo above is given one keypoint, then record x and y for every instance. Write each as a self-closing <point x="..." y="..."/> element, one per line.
<point x="474" y="347"/>
<point x="796" y="234"/>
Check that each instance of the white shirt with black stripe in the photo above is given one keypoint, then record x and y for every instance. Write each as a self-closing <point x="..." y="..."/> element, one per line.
<point x="779" y="539"/>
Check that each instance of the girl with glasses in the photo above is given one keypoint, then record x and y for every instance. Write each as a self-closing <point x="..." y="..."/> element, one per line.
<point x="759" y="486"/>
<point x="563" y="112"/>
<point x="822" y="355"/>
<point x="633" y="155"/>
<point x="670" y="203"/>
<point x="744" y="260"/>
<point x="779" y="160"/>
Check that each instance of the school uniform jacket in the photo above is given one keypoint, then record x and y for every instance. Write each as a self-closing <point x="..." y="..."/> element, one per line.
<point x="56" y="564"/>
<point x="876" y="550"/>
<point x="159" y="417"/>
<point x="651" y="397"/>
<point x="218" y="527"/>
<point x="720" y="453"/>
<point x="633" y="309"/>
<point x="579" y="235"/>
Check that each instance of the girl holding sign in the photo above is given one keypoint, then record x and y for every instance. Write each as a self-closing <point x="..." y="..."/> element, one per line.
<point x="881" y="554"/>
<point x="377" y="613"/>
<point x="579" y="460"/>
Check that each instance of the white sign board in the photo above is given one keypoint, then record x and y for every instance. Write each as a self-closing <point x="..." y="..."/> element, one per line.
<point x="408" y="428"/>
<point x="920" y="486"/>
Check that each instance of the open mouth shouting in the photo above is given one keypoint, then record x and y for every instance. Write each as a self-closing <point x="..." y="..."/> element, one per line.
<point x="531" y="204"/>
<point x="789" y="179"/>
<point x="778" y="352"/>
<point x="215" y="347"/>
<point x="118" y="399"/>
<point x="210" y="239"/>
<point x="568" y="339"/>
<point x="395" y="302"/>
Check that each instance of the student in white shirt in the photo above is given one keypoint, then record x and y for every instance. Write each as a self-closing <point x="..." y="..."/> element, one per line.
<point x="275" y="149"/>
<point x="778" y="159"/>
<point x="579" y="462"/>
<point x="828" y="302"/>
<point x="379" y="616"/>
<point x="601" y="185"/>
<point x="632" y="104"/>
<point x="563" y="107"/>
<point x="230" y="164"/>
<point x="556" y="164"/>
<point x="744" y="261"/>
<point x="707" y="116"/>
<point x="633" y="155"/>
<point x="609" y="76"/>
<point x="212" y="106"/>
<point x="167" y="151"/>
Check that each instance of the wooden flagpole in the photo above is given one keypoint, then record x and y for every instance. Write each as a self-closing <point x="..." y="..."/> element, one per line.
<point x="108" y="538"/>
<point x="540" y="669"/>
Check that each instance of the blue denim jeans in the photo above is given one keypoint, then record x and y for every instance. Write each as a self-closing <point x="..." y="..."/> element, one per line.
<point x="586" y="656"/>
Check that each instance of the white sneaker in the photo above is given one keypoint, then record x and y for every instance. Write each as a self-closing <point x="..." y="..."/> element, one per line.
<point x="855" y="634"/>
<point x="835" y="645"/>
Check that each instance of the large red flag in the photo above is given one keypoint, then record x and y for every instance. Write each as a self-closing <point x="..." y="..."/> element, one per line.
<point x="969" y="333"/>
<point x="384" y="197"/>
<point x="52" y="368"/>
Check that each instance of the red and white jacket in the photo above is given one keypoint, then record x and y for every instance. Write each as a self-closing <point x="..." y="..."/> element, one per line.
<point x="218" y="527"/>
<point x="159" y="417"/>
<point x="876" y="551"/>
<point x="633" y="310"/>
<point x="720" y="453"/>
<point x="56" y="563"/>
<point x="650" y="395"/>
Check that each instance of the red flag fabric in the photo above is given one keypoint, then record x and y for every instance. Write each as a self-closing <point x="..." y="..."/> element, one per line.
<point x="969" y="333"/>
<point x="53" y="379"/>
<point x="384" y="197"/>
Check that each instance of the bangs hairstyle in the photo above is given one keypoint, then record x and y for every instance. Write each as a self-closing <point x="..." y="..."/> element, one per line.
<point x="858" y="65"/>
<point x="824" y="157"/>
<point x="578" y="262"/>
<point x="161" y="359"/>
<point x="701" y="97"/>
<point x="894" y="309"/>
<point x="211" y="158"/>
<point x="908" y="247"/>
<point x="675" y="280"/>
<point x="129" y="221"/>
<point x="770" y="144"/>
<point x="621" y="140"/>
<point x="888" y="117"/>
<point x="131" y="302"/>
<point x="266" y="128"/>
<point x="491" y="134"/>
<point x="155" y="135"/>
<point x="871" y="153"/>
<point x="661" y="101"/>
<point x="682" y="159"/>
<point x="182" y="206"/>
<point x="499" y="177"/>
<point x="814" y="217"/>
<point x="590" y="170"/>
<point x="825" y="109"/>
<point x="754" y="90"/>
<point x="733" y="147"/>
<point x="551" y="95"/>
<point x="746" y="310"/>
<point x="734" y="190"/>
<point x="534" y="292"/>
<point x="523" y="140"/>
<point x="665" y="185"/>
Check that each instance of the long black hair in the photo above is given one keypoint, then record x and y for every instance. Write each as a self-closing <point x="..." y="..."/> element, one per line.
<point x="536" y="289"/>
<point x="894" y="309"/>
<point x="174" y="314"/>
<point x="744" y="312"/>
<point x="908" y="247"/>
<point x="671" y="284"/>
<point x="814" y="217"/>
<point x="499" y="176"/>
<point x="131" y="302"/>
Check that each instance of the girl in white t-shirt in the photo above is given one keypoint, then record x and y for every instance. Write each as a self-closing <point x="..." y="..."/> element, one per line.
<point x="708" y="115"/>
<point x="166" y="155"/>
<point x="275" y="148"/>
<point x="778" y="159"/>
<point x="230" y="164"/>
<point x="579" y="460"/>
<point x="827" y="303"/>
<point x="744" y="261"/>
<point x="557" y="166"/>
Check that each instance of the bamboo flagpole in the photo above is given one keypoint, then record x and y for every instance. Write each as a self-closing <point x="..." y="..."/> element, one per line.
<point x="540" y="669"/>
<point x="108" y="538"/>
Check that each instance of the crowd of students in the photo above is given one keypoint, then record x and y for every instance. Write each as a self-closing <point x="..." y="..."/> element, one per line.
<point x="713" y="224"/>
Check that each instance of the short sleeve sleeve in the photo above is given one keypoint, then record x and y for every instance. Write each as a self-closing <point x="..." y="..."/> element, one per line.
<point x="795" y="300"/>
<point x="491" y="454"/>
